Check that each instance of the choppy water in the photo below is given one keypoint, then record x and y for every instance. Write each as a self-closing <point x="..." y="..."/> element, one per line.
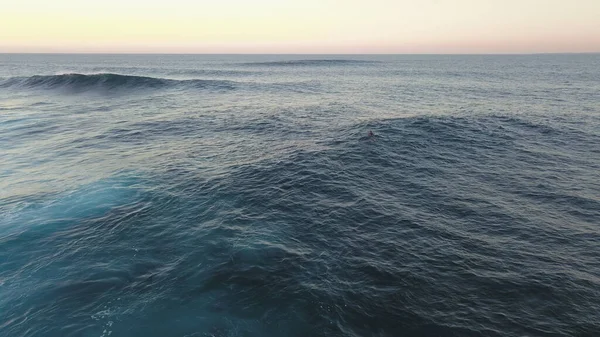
<point x="240" y="195"/>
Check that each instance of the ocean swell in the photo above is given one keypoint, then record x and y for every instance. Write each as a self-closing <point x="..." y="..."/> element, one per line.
<point x="109" y="81"/>
<point x="324" y="62"/>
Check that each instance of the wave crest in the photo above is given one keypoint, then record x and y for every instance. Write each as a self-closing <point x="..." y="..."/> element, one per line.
<point x="108" y="81"/>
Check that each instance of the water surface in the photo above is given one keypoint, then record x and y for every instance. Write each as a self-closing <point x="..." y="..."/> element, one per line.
<point x="165" y="195"/>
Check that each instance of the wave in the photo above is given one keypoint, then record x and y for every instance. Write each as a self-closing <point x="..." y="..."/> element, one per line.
<point x="326" y="62"/>
<point x="212" y="72"/>
<point x="372" y="235"/>
<point x="109" y="81"/>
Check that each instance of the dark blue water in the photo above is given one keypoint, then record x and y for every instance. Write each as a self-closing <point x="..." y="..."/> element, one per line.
<point x="241" y="196"/>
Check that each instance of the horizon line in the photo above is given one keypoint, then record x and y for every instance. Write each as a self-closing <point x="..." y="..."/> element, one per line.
<point x="289" y="54"/>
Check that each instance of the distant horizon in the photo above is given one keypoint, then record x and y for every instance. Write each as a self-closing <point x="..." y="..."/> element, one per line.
<point x="303" y="54"/>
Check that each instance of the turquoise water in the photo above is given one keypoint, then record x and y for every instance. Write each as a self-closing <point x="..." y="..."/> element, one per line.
<point x="186" y="195"/>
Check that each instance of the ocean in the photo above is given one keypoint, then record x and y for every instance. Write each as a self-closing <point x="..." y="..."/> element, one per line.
<point x="241" y="195"/>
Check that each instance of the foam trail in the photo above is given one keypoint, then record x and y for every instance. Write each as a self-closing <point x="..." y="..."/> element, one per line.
<point x="88" y="201"/>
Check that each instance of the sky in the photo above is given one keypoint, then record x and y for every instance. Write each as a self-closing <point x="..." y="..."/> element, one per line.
<point x="300" y="26"/>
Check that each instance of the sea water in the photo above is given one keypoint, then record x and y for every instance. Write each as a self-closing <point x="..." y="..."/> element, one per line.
<point x="222" y="195"/>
